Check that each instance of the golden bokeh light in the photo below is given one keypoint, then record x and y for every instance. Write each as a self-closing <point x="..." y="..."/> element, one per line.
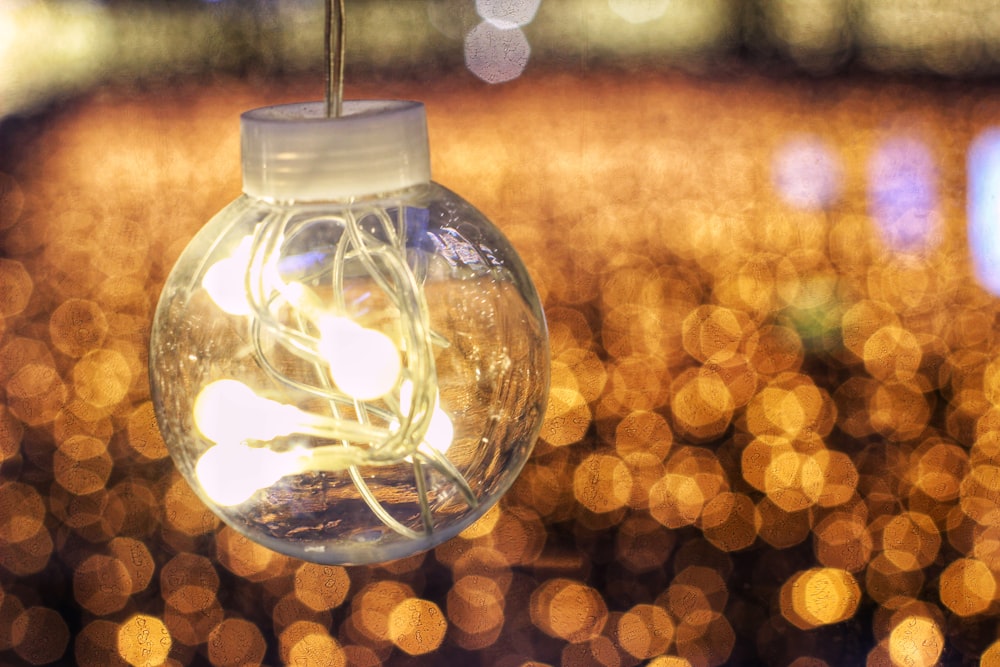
<point x="569" y="610"/>
<point x="843" y="542"/>
<point x="310" y="645"/>
<point x="991" y="656"/>
<point x="780" y="528"/>
<point x="102" y="378"/>
<point x="136" y="558"/>
<point x="144" y="434"/>
<point x="39" y="635"/>
<point x="968" y="586"/>
<point x="676" y="500"/>
<point x="102" y="585"/>
<point x="77" y="326"/>
<point x="417" y="626"/>
<point x="910" y="541"/>
<point x="97" y="645"/>
<point x="916" y="641"/>
<point x="602" y="483"/>
<point x="321" y="587"/>
<point x="645" y="631"/>
<point x="82" y="465"/>
<point x="567" y="416"/>
<point x="144" y="641"/>
<point x="644" y="431"/>
<point x="702" y="406"/>
<point x="890" y="585"/>
<point x="236" y="643"/>
<point x="475" y="607"/>
<point x="22" y="512"/>
<point x="729" y="521"/>
<point x="820" y="596"/>
<point x="669" y="661"/>
<point x="17" y="287"/>
<point x="372" y="607"/>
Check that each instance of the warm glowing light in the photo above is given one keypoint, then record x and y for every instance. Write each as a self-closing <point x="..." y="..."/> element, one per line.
<point x="219" y="409"/>
<point x="676" y="500"/>
<point x="843" y="542"/>
<point x="440" y="432"/>
<point x="417" y="626"/>
<point x="729" y="521"/>
<point x="569" y="610"/>
<point x="236" y="642"/>
<point x="364" y="363"/>
<point x="144" y="641"/>
<point x="102" y="585"/>
<point x="39" y="635"/>
<point x="968" y="587"/>
<point x="231" y="473"/>
<point x="229" y="411"/>
<point x="602" y="483"/>
<point x="309" y="643"/>
<point x="916" y="641"/>
<point x="911" y="540"/>
<point x="822" y="596"/>
<point x="225" y="280"/>
<point x="321" y="587"/>
<point x="476" y="610"/>
<point x="646" y="631"/>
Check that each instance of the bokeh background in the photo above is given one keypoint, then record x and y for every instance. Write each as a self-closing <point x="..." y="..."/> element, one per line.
<point x="766" y="237"/>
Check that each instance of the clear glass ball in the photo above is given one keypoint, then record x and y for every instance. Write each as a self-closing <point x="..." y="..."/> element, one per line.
<point x="350" y="381"/>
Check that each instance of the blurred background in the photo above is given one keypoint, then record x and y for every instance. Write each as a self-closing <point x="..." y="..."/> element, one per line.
<point x="765" y="235"/>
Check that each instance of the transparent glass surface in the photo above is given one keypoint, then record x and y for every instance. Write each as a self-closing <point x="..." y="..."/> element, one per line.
<point x="350" y="382"/>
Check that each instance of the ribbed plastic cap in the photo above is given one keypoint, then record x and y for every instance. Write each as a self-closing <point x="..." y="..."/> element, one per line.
<point x="294" y="152"/>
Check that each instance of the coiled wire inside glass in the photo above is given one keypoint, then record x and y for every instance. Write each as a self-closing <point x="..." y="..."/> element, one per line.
<point x="291" y="291"/>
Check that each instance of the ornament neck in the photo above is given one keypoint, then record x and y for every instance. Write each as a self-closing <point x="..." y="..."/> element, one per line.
<point x="295" y="153"/>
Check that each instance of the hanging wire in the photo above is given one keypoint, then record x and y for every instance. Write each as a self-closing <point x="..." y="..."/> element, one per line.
<point x="334" y="58"/>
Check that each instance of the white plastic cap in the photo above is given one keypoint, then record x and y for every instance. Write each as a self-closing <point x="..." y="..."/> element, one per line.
<point x="294" y="152"/>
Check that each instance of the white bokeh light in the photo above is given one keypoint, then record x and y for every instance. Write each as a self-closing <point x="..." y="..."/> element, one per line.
<point x="639" y="11"/>
<point x="807" y="173"/>
<point x="496" y="55"/>
<point x="507" y="14"/>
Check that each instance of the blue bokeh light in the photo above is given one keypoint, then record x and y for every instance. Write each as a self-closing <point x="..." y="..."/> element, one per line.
<point x="984" y="208"/>
<point x="902" y="194"/>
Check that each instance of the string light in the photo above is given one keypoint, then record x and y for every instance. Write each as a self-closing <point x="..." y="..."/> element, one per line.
<point x="349" y="363"/>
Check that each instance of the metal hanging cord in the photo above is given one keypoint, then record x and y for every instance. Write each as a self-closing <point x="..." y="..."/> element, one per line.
<point x="334" y="58"/>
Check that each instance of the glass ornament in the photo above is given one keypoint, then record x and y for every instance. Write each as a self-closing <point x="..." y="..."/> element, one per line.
<point x="349" y="363"/>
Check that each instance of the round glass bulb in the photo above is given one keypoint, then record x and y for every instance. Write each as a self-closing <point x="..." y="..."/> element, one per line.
<point x="349" y="363"/>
